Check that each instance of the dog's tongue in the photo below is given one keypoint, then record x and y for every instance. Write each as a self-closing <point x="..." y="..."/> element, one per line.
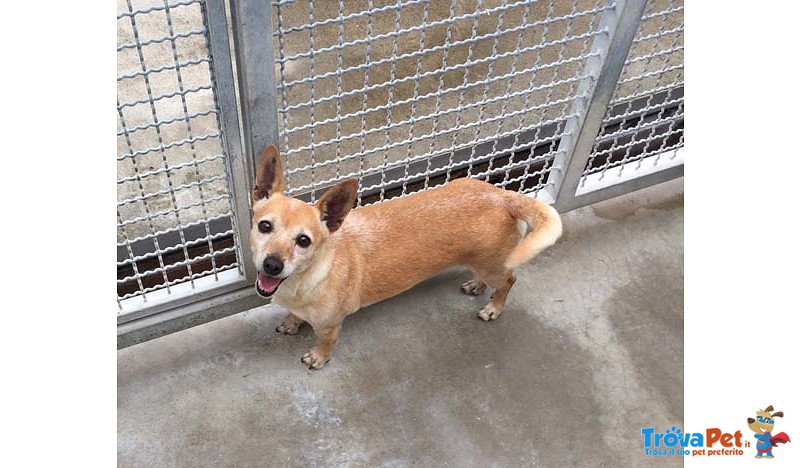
<point x="268" y="283"/>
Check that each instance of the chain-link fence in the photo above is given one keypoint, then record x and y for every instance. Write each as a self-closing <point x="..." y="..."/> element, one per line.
<point x="409" y="94"/>
<point x="643" y="128"/>
<point x="176" y="217"/>
<point x="539" y="97"/>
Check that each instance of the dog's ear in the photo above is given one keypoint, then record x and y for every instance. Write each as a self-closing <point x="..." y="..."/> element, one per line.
<point x="269" y="174"/>
<point x="769" y="408"/>
<point x="337" y="202"/>
<point x="777" y="414"/>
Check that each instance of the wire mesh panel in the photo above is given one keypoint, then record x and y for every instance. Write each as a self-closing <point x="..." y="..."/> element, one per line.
<point x="175" y="218"/>
<point x="403" y="95"/>
<point x="407" y="94"/>
<point x="643" y="128"/>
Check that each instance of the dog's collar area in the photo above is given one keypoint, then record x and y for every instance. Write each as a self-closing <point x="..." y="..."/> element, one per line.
<point x="267" y="285"/>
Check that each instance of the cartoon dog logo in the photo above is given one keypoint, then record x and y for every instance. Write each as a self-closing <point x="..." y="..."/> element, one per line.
<point x="762" y="425"/>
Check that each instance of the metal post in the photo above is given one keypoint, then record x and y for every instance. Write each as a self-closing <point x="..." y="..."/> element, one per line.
<point x="237" y="162"/>
<point x="257" y="97"/>
<point x="252" y="39"/>
<point x="621" y="23"/>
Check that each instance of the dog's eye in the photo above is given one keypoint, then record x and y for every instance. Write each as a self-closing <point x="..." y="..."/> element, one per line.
<point x="264" y="226"/>
<point x="303" y="241"/>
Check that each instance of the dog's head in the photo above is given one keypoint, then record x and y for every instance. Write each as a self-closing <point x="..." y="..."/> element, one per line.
<point x="764" y="421"/>
<point x="286" y="231"/>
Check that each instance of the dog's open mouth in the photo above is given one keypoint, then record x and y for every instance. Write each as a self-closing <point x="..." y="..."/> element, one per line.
<point x="267" y="285"/>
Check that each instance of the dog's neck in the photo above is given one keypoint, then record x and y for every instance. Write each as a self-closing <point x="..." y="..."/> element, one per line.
<point x="302" y="284"/>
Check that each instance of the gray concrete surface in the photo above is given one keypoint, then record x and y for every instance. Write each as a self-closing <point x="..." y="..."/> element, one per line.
<point x="589" y="350"/>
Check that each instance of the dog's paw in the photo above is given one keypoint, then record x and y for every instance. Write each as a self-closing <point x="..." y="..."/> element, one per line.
<point x="489" y="312"/>
<point x="287" y="329"/>
<point x="314" y="359"/>
<point x="289" y="326"/>
<point x="473" y="287"/>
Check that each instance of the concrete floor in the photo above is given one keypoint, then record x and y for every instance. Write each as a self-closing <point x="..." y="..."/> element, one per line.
<point x="589" y="350"/>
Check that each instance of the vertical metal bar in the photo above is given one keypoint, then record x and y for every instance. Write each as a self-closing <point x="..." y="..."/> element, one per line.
<point x="445" y="52"/>
<point x="485" y="96"/>
<point x="630" y="155"/>
<point x="190" y="134"/>
<point x="413" y="113"/>
<point x="390" y="99"/>
<point x="364" y="106"/>
<point x="161" y="149"/>
<point x="252" y="39"/>
<point x="339" y="66"/>
<point x="509" y="87"/>
<point x="311" y="110"/>
<point x="620" y="24"/>
<point x="462" y="94"/>
<point x="239" y="162"/>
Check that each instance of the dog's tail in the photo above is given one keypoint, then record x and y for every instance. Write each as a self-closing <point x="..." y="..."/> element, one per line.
<point x="544" y="221"/>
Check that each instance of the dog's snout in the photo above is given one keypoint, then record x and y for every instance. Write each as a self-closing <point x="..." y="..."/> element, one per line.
<point x="750" y="420"/>
<point x="273" y="266"/>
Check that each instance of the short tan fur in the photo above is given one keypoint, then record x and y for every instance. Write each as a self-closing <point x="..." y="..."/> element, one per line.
<point x="359" y="257"/>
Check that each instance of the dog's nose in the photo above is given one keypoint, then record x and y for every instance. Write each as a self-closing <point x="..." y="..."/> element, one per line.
<point x="273" y="266"/>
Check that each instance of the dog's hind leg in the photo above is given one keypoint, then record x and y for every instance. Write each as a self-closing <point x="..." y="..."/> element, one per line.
<point x="473" y="287"/>
<point x="290" y="324"/>
<point x="502" y="283"/>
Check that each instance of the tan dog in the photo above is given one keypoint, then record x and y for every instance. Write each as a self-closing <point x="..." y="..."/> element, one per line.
<point x="323" y="267"/>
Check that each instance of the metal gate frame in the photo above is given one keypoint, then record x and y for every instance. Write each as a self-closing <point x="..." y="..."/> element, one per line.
<point x="251" y="25"/>
<point x="219" y="300"/>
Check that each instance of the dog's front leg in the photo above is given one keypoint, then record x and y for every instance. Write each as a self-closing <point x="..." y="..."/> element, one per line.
<point x="327" y="335"/>
<point x="290" y="324"/>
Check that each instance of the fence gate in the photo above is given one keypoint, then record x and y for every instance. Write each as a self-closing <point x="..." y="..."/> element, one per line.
<point x="571" y="102"/>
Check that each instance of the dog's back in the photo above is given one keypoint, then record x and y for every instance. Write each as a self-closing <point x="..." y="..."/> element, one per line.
<point x="404" y="241"/>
